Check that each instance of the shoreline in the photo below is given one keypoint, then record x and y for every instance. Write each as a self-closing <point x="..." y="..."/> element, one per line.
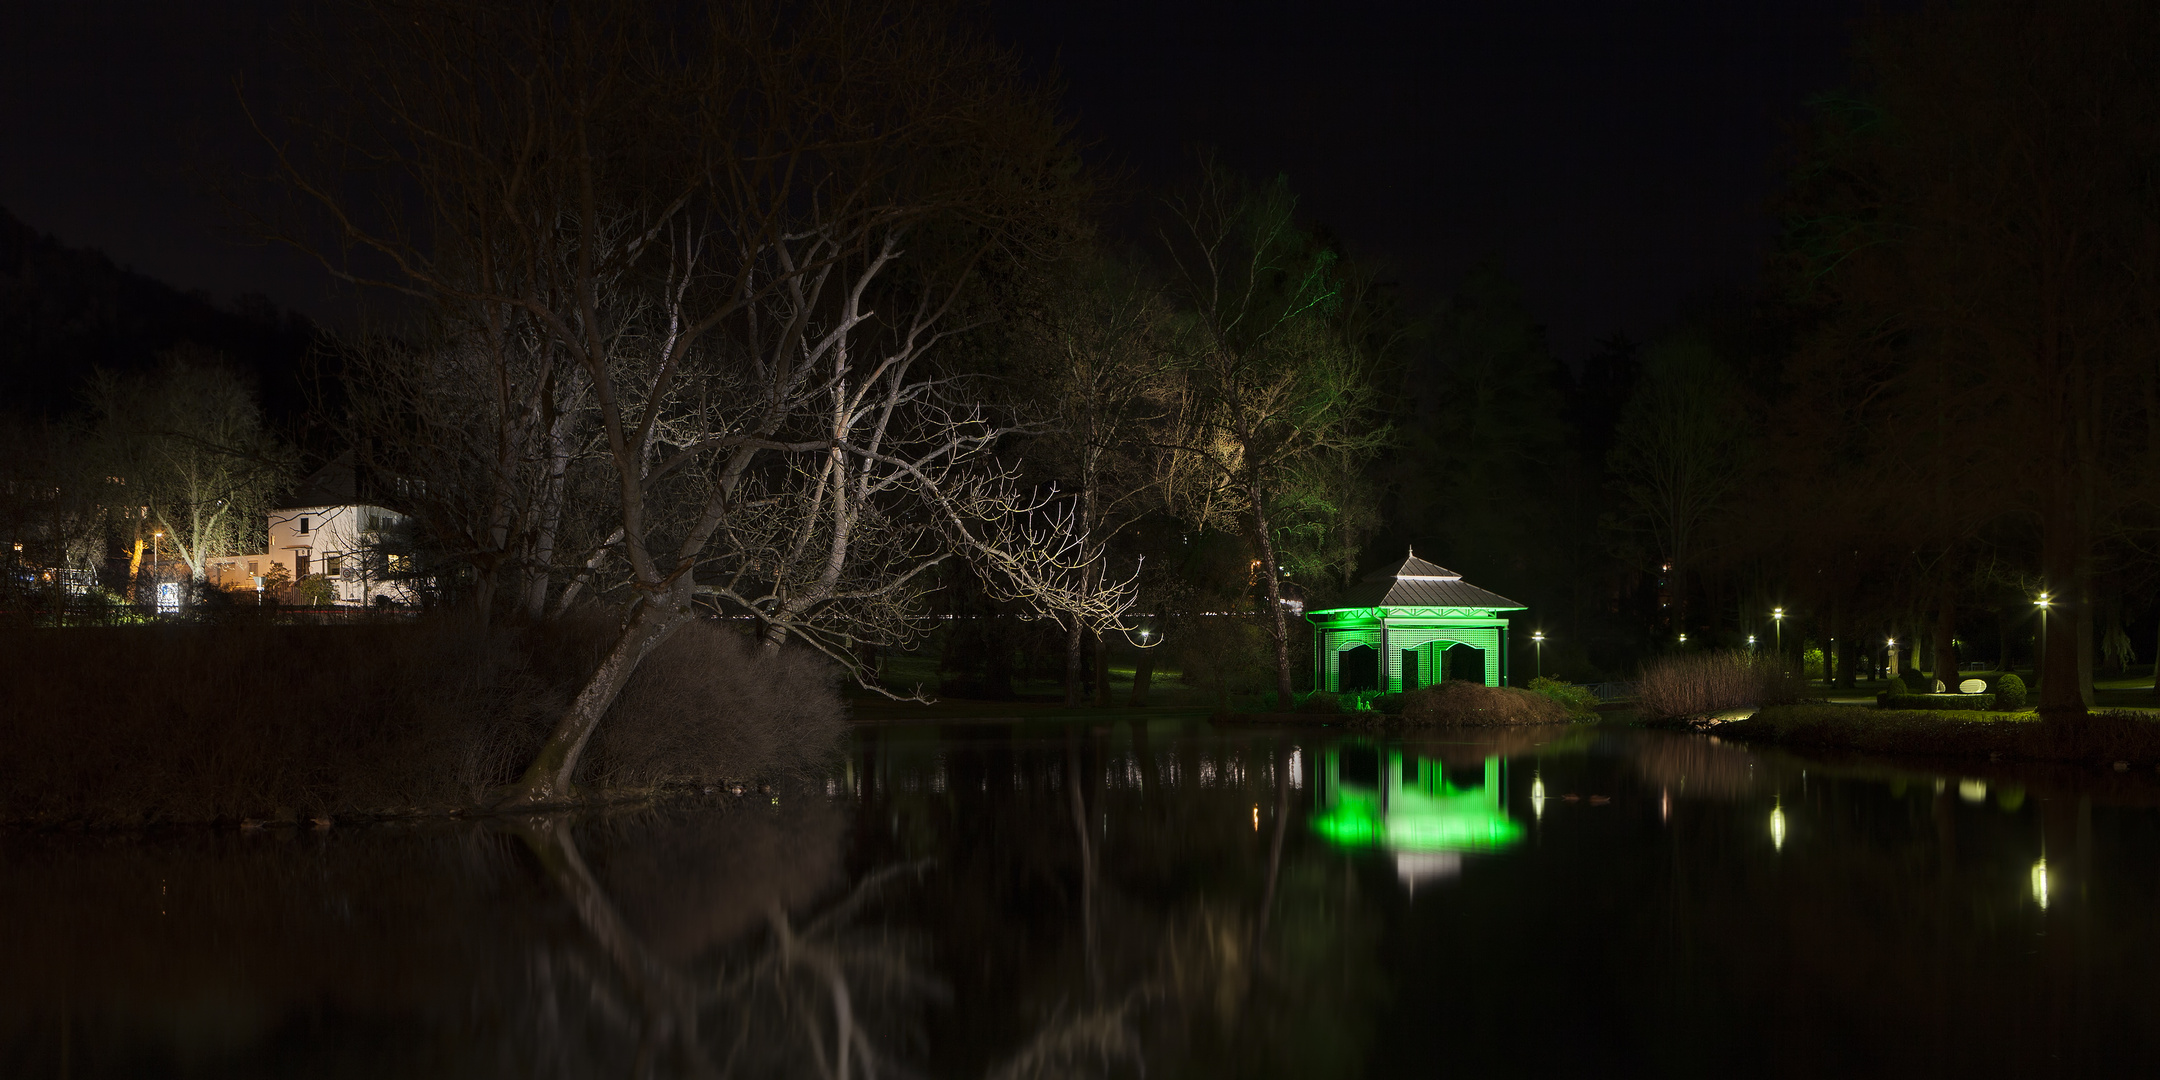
<point x="2116" y="740"/>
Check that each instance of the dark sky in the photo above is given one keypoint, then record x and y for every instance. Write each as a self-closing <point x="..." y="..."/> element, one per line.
<point x="1617" y="155"/>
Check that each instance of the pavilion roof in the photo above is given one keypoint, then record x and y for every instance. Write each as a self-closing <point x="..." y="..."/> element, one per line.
<point x="1413" y="582"/>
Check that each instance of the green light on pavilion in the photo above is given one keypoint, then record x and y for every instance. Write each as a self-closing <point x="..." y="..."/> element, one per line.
<point x="1407" y="625"/>
<point x="1387" y="800"/>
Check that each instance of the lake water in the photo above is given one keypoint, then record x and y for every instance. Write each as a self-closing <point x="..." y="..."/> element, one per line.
<point x="1116" y="899"/>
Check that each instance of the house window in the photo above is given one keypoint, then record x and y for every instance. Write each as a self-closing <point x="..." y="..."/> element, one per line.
<point x="254" y="569"/>
<point x="303" y="526"/>
<point x="374" y="522"/>
<point x="333" y="564"/>
<point x="300" y="564"/>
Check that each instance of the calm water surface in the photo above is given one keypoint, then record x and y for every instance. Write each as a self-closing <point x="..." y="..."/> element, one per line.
<point x="1166" y="899"/>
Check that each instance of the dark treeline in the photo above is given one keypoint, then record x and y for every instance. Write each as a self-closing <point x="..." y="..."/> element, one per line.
<point x="700" y="327"/>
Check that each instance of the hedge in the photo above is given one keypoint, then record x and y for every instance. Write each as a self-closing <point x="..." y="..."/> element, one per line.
<point x="2101" y="738"/>
<point x="1971" y="702"/>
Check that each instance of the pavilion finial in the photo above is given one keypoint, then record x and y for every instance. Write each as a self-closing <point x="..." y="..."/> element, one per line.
<point x="1410" y="550"/>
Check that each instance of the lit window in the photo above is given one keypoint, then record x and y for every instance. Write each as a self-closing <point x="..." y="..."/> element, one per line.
<point x="254" y="569"/>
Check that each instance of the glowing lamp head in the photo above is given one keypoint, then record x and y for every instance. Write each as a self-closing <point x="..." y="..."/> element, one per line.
<point x="1777" y="613"/>
<point x="1539" y="636"/>
<point x="2042" y="602"/>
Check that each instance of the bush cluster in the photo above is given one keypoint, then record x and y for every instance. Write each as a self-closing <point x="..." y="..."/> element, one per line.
<point x="1320" y="703"/>
<point x="1459" y="703"/>
<point x="1577" y="700"/>
<point x="1935" y="702"/>
<point x="710" y="704"/>
<point x="1709" y="683"/>
<point x="132" y="725"/>
<point x="2101" y="738"/>
<point x="2005" y="691"/>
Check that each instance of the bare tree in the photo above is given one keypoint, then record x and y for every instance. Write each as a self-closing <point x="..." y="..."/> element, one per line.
<point x="1102" y="371"/>
<point x="1679" y="453"/>
<point x="749" y="237"/>
<point x="187" y="443"/>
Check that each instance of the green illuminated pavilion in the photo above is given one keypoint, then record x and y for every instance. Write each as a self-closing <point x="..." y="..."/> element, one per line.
<point x="1410" y="624"/>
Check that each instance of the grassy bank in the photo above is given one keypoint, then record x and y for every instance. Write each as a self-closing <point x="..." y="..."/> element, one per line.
<point x="134" y="725"/>
<point x="2102" y="738"/>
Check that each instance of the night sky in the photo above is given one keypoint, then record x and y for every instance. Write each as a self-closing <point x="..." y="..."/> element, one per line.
<point x="1617" y="156"/>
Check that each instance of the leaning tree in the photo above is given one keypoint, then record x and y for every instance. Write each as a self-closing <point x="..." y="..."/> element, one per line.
<point x="747" y="229"/>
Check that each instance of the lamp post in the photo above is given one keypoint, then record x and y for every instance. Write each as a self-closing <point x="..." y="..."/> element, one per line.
<point x="1683" y="639"/>
<point x="1777" y="619"/>
<point x="2040" y="660"/>
<point x="1751" y="643"/>
<point x="1538" y="639"/>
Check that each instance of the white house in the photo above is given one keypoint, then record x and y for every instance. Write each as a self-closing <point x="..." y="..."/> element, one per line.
<point x="329" y="526"/>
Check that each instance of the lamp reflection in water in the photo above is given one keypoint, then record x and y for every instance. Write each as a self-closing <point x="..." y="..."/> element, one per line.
<point x="1777" y="826"/>
<point x="1537" y="797"/>
<point x="2039" y="883"/>
<point x="1418" y="809"/>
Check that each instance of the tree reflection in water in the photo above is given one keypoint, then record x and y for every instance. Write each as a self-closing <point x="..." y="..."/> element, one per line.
<point x="1017" y="902"/>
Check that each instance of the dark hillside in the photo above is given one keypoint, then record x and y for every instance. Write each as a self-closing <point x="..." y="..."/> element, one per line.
<point x="65" y="312"/>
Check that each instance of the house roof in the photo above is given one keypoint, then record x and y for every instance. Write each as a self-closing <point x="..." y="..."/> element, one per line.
<point x="335" y="484"/>
<point x="340" y="482"/>
<point x="1413" y="582"/>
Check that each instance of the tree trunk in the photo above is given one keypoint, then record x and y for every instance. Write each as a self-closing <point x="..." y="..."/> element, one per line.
<point x="1832" y="660"/>
<point x="2063" y="566"/>
<point x="1946" y="656"/>
<point x="1073" y="638"/>
<point x="1102" y="671"/>
<point x="548" y="779"/>
<point x="1285" y="698"/>
<point x="1143" y="671"/>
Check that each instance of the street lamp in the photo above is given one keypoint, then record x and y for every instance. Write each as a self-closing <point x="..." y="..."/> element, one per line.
<point x="1538" y="639"/>
<point x="1683" y="639"/>
<point x="1751" y="643"/>
<point x="2040" y="661"/>
<point x="1777" y="619"/>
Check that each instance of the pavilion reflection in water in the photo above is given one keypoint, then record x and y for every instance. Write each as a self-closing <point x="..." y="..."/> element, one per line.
<point x="1424" y="812"/>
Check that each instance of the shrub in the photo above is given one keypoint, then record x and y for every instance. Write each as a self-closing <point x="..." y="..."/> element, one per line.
<point x="2103" y="737"/>
<point x="1459" y="703"/>
<point x="1918" y="682"/>
<point x="709" y="704"/>
<point x="314" y="590"/>
<point x="1936" y="702"/>
<point x="135" y="724"/>
<point x="2009" y="692"/>
<point x="1705" y="684"/>
<point x="1389" y="704"/>
<point x="1320" y="703"/>
<point x="1577" y="700"/>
